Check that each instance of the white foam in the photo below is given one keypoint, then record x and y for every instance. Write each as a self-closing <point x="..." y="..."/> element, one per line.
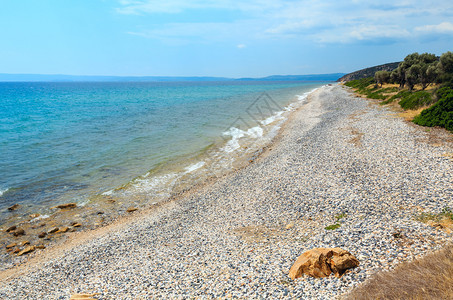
<point x="277" y="116"/>
<point x="39" y="218"/>
<point x="3" y="191"/>
<point x="83" y="203"/>
<point x="154" y="183"/>
<point x="255" y="132"/>
<point x="194" y="167"/>
<point x="235" y="134"/>
<point x="108" y="193"/>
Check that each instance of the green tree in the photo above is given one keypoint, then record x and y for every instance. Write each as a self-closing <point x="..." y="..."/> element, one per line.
<point x="446" y="68"/>
<point x="446" y="62"/>
<point x="404" y="66"/>
<point x="426" y="61"/>
<point x="382" y="77"/>
<point x="417" y="68"/>
<point x="394" y="76"/>
<point x="431" y="74"/>
<point x="413" y="76"/>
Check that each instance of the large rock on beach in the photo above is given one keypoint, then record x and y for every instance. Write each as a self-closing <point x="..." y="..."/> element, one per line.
<point x="321" y="262"/>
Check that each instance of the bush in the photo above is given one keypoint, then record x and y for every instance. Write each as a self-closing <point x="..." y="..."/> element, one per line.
<point x="415" y="100"/>
<point x="361" y="84"/>
<point x="440" y="114"/>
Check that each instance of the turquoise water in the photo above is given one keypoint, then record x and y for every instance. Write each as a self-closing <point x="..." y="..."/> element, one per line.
<point x="71" y="141"/>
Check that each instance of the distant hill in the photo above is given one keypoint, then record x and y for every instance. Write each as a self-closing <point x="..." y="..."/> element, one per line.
<point x="73" y="78"/>
<point x="312" y="77"/>
<point x="369" y="72"/>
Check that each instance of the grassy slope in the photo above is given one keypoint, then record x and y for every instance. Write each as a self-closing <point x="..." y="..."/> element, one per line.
<point x="430" y="277"/>
<point x="438" y="102"/>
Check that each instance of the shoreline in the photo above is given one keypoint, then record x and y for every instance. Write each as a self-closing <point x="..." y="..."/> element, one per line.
<point x="72" y="239"/>
<point x="103" y="209"/>
<point x="317" y="167"/>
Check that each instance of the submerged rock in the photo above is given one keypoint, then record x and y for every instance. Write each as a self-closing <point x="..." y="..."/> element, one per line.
<point x="11" y="245"/>
<point x="19" y="232"/>
<point x="321" y="262"/>
<point x="14" y="207"/>
<point x="65" y="206"/>
<point x="62" y="230"/>
<point x="53" y="230"/>
<point x="12" y="228"/>
<point x="26" y="250"/>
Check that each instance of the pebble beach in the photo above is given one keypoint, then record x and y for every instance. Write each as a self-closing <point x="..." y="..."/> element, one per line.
<point x="343" y="172"/>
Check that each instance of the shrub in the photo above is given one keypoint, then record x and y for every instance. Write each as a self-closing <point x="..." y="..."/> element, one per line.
<point x="416" y="100"/>
<point x="440" y="114"/>
<point x="333" y="226"/>
<point x="361" y="84"/>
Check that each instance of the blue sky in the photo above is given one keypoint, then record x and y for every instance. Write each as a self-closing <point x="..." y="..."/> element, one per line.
<point x="216" y="38"/>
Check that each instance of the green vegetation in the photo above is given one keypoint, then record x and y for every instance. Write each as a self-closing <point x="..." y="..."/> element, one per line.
<point x="446" y="213"/>
<point x="340" y="216"/>
<point x="337" y="224"/>
<point x="367" y="87"/>
<point x="416" y="71"/>
<point x="416" y="100"/>
<point x="361" y="84"/>
<point x="333" y="227"/>
<point x="440" y="114"/>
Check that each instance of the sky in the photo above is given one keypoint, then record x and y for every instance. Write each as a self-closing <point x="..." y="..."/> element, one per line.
<point x="246" y="38"/>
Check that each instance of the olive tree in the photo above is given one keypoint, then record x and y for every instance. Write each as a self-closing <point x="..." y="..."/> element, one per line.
<point x="382" y="77"/>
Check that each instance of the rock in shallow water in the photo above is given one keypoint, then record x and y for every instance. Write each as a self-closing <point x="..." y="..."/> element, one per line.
<point x="11" y="245"/>
<point x="19" y="232"/>
<point x="12" y="228"/>
<point x="14" y="207"/>
<point x="53" y="230"/>
<point x="27" y="250"/>
<point x="65" y="206"/>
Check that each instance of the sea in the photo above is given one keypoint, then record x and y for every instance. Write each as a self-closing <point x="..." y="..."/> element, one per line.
<point x="141" y="142"/>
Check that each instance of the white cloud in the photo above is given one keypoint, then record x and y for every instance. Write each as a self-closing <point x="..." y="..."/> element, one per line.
<point x="328" y="21"/>
<point x="444" y="27"/>
<point x="371" y="32"/>
<point x="241" y="46"/>
<point x="177" y="6"/>
<point x="208" y="32"/>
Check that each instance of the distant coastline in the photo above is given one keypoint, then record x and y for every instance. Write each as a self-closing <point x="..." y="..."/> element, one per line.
<point x="82" y="78"/>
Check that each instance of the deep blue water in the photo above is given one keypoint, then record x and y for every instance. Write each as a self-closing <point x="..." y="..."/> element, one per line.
<point x="74" y="140"/>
